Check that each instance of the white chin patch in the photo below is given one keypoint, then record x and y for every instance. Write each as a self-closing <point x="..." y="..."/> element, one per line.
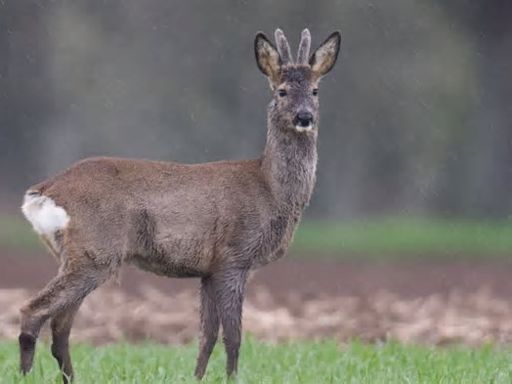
<point x="45" y="216"/>
<point x="307" y="128"/>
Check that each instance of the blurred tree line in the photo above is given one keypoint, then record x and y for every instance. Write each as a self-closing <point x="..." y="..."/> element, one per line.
<point x="416" y="118"/>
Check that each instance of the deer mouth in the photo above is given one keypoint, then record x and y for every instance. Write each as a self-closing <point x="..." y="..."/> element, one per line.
<point x="304" y="128"/>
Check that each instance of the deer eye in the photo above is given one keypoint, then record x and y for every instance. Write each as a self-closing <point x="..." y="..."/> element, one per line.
<point x="282" y="92"/>
<point x="315" y="92"/>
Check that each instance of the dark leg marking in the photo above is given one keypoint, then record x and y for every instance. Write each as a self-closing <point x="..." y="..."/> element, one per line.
<point x="27" y="349"/>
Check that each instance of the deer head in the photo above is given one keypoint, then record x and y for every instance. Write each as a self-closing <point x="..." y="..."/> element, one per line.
<point x="294" y="105"/>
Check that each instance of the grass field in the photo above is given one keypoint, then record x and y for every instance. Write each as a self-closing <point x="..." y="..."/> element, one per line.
<point x="406" y="237"/>
<point x="383" y="238"/>
<point x="301" y="362"/>
<point x="322" y="362"/>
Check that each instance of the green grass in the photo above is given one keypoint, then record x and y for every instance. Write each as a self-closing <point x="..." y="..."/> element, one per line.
<point x="304" y="362"/>
<point x="16" y="233"/>
<point x="405" y="237"/>
<point x="381" y="238"/>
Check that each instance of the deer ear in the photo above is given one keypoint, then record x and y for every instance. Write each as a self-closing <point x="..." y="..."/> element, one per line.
<point x="324" y="58"/>
<point x="267" y="57"/>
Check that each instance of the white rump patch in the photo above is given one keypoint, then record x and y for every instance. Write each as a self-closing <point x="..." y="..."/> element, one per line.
<point x="46" y="217"/>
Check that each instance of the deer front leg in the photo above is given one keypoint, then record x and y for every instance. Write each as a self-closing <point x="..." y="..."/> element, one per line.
<point x="61" y="328"/>
<point x="230" y="290"/>
<point x="209" y="324"/>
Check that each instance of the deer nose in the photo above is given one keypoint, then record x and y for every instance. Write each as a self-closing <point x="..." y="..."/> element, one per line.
<point x="304" y="118"/>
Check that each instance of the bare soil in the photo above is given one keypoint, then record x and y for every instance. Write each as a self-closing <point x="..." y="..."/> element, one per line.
<point x="421" y="302"/>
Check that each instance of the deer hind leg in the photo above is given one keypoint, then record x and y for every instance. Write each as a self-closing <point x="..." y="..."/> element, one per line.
<point x="63" y="292"/>
<point x="61" y="327"/>
<point x="230" y="290"/>
<point x="209" y="325"/>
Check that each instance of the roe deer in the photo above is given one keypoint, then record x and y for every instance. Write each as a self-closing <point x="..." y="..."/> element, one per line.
<point x="215" y="221"/>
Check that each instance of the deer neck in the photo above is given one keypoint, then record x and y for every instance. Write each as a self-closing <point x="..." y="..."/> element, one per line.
<point x="289" y="165"/>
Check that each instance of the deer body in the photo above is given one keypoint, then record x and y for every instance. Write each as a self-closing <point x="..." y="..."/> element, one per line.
<point x="141" y="212"/>
<point x="215" y="221"/>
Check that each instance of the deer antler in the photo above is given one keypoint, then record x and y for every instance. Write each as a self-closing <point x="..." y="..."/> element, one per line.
<point x="304" y="46"/>
<point x="282" y="47"/>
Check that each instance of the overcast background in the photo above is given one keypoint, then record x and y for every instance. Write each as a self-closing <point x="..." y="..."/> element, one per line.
<point x="416" y="118"/>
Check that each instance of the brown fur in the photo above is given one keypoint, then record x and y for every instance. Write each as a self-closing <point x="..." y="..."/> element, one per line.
<point x="216" y="221"/>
